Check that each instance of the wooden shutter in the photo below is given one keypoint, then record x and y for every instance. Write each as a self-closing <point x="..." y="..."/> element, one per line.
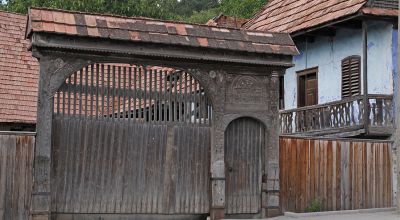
<point x="311" y="91"/>
<point x="351" y="70"/>
<point x="307" y="87"/>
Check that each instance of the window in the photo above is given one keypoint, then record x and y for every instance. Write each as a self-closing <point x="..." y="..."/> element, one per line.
<point x="281" y="92"/>
<point x="307" y="87"/>
<point x="351" y="70"/>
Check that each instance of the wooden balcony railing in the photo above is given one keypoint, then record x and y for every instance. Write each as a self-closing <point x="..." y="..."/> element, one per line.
<point x="340" y="116"/>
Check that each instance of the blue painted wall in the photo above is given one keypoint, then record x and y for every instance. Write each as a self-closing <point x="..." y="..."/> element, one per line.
<point x="326" y="53"/>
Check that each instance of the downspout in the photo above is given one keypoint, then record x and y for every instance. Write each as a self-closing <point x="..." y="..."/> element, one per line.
<point x="365" y="75"/>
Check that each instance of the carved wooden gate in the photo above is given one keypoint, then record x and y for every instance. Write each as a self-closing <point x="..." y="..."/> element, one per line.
<point x="131" y="139"/>
<point x="244" y="139"/>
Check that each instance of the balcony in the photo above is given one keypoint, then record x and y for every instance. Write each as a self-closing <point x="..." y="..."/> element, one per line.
<point x="343" y="118"/>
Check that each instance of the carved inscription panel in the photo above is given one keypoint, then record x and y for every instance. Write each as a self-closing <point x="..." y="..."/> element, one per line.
<point x="246" y="92"/>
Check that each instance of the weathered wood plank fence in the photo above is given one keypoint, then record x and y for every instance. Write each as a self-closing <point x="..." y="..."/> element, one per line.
<point x="104" y="167"/>
<point x="16" y="160"/>
<point x="339" y="174"/>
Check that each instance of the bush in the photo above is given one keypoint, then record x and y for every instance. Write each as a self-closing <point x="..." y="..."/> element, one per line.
<point x="316" y="206"/>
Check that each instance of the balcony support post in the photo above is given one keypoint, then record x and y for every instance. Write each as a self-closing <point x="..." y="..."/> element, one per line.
<point x="365" y="76"/>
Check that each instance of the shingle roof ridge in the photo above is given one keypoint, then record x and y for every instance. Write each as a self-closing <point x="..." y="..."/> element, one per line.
<point x="148" y="19"/>
<point x="13" y="13"/>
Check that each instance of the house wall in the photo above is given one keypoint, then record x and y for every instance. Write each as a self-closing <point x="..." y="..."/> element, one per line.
<point x="328" y="52"/>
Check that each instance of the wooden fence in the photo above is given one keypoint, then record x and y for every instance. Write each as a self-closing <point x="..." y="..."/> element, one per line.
<point x="339" y="174"/>
<point x="16" y="159"/>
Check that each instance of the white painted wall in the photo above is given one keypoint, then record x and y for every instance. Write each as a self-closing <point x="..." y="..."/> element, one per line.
<point x="328" y="52"/>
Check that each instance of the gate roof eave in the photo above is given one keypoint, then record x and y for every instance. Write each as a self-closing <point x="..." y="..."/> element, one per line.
<point x="123" y="51"/>
<point x="95" y="34"/>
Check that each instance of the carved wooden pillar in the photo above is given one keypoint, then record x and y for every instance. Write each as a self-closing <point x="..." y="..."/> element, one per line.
<point x="217" y="86"/>
<point x="53" y="72"/>
<point x="218" y="168"/>
<point x="270" y="195"/>
<point x="40" y="208"/>
<point x="214" y="83"/>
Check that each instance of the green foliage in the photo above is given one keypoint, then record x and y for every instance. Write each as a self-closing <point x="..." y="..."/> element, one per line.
<point x="234" y="8"/>
<point x="197" y="11"/>
<point x="145" y="8"/>
<point x="316" y="206"/>
<point x="203" y="16"/>
<point x="241" y="8"/>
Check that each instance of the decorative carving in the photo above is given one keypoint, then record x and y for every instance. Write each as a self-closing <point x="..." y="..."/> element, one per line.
<point x="59" y="63"/>
<point x="59" y="69"/>
<point x="213" y="74"/>
<point x="246" y="89"/>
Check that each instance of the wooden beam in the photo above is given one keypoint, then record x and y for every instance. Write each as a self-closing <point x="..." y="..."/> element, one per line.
<point x="353" y="24"/>
<point x="365" y="75"/>
<point x="106" y="48"/>
<point x="325" y="32"/>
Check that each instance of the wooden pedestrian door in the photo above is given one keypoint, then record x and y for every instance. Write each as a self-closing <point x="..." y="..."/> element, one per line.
<point x="131" y="139"/>
<point x="244" y="141"/>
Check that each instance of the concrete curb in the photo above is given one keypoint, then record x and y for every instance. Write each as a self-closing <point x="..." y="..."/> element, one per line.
<point x="343" y="212"/>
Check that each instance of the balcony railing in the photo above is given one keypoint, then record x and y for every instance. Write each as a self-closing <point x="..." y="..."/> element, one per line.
<point x="340" y="116"/>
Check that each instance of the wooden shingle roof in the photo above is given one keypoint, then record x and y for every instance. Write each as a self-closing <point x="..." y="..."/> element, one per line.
<point x="290" y="16"/>
<point x="160" y="32"/>
<point x="19" y="72"/>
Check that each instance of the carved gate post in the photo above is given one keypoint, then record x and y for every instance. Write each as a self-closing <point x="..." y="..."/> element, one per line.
<point x="40" y="207"/>
<point x="213" y="83"/>
<point x="270" y="185"/>
<point x="218" y="167"/>
<point x="53" y="72"/>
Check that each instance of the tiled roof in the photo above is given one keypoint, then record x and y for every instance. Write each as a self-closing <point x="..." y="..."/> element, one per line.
<point x="227" y="21"/>
<point x="155" y="31"/>
<point x="294" y="15"/>
<point x="19" y="72"/>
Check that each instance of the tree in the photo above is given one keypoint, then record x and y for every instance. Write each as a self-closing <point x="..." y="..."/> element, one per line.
<point x="197" y="11"/>
<point x="241" y="8"/>
<point x="145" y="8"/>
<point x="234" y="8"/>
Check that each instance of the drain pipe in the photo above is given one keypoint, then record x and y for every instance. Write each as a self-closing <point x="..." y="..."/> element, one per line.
<point x="365" y="75"/>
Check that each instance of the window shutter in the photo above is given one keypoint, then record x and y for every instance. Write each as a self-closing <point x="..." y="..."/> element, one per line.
<point x="351" y="71"/>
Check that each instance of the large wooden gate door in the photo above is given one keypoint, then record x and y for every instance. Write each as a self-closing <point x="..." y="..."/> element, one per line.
<point x="244" y="141"/>
<point x="131" y="139"/>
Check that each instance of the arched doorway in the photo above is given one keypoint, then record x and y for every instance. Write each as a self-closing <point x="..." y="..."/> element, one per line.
<point x="244" y="141"/>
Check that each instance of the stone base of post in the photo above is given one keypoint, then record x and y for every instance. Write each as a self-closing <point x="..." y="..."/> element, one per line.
<point x="40" y="206"/>
<point x="217" y="213"/>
